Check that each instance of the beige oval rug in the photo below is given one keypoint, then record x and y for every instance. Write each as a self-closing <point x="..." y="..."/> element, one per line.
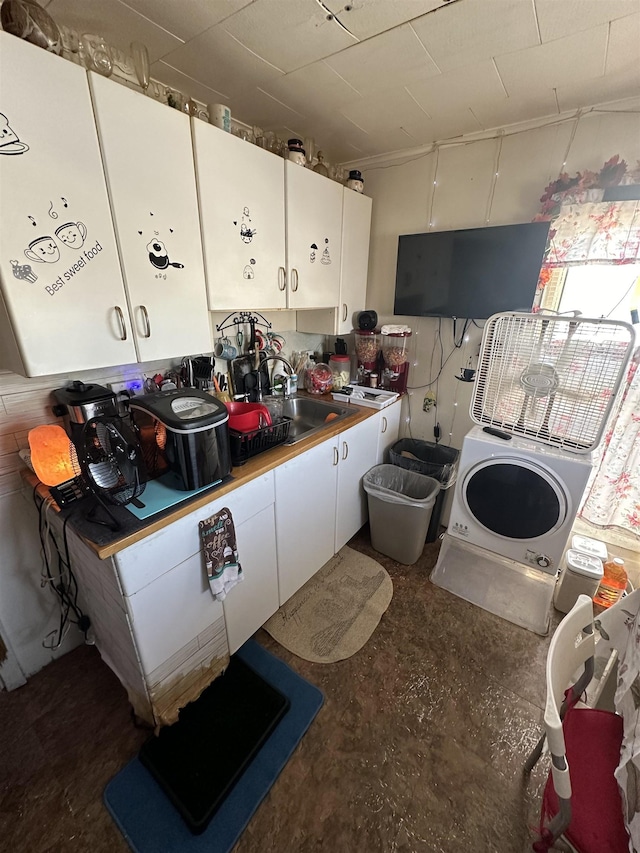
<point x="333" y="615"/>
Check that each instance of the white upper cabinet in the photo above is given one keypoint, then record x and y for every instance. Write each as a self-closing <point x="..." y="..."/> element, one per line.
<point x="241" y="195"/>
<point x="63" y="305"/>
<point x="356" y="228"/>
<point x="148" y="160"/>
<point x="314" y="238"/>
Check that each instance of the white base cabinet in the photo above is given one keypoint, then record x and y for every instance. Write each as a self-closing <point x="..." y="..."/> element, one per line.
<point x="356" y="448"/>
<point x="252" y="602"/>
<point x="388" y="430"/>
<point x="321" y="503"/>
<point x="155" y="621"/>
<point x="305" y="515"/>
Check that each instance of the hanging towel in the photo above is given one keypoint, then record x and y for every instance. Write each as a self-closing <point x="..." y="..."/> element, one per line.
<point x="220" y="553"/>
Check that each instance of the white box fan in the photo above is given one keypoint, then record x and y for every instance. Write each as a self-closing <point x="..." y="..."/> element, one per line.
<point x="550" y="378"/>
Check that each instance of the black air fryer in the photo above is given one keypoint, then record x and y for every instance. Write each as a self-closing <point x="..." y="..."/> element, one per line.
<point x="184" y="434"/>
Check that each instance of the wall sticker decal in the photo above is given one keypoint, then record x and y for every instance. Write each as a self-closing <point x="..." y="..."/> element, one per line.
<point x="23" y="271"/>
<point x="9" y="142"/>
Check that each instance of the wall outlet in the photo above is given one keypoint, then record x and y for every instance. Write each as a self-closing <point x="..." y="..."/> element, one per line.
<point x="133" y="386"/>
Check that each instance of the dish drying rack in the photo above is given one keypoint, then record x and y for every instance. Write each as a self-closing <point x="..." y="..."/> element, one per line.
<point x="244" y="445"/>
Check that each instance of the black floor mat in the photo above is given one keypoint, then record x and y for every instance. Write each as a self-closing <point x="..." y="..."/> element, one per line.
<point x="198" y="760"/>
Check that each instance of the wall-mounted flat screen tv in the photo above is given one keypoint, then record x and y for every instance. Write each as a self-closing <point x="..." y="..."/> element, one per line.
<point x="470" y="273"/>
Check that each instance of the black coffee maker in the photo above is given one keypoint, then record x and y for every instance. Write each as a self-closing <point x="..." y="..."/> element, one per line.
<point x="80" y="402"/>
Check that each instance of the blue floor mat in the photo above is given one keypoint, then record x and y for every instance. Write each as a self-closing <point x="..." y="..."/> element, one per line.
<point x="149" y="821"/>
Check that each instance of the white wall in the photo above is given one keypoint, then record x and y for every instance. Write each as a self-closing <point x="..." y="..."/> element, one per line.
<point x="466" y="195"/>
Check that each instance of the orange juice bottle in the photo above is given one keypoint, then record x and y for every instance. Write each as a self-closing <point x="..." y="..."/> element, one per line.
<point x="613" y="583"/>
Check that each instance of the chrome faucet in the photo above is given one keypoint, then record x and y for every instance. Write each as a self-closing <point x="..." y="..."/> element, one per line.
<point x="288" y="367"/>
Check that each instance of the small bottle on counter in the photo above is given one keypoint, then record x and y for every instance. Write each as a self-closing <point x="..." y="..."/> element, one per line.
<point x="613" y="583"/>
<point x="373" y="380"/>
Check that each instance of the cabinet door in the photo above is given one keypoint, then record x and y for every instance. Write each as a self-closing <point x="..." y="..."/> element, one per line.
<point x="314" y="238"/>
<point x="249" y="604"/>
<point x="357" y="447"/>
<point x="241" y="194"/>
<point x="388" y="430"/>
<point x="63" y="305"/>
<point x="356" y="228"/>
<point x="305" y="515"/>
<point x="148" y="160"/>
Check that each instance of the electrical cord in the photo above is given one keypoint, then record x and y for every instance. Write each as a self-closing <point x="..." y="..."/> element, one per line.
<point x="64" y="584"/>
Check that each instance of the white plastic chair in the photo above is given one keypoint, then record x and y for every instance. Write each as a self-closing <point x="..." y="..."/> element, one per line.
<point x="586" y="811"/>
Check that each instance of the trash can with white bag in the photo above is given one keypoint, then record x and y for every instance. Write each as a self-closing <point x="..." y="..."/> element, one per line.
<point x="400" y="507"/>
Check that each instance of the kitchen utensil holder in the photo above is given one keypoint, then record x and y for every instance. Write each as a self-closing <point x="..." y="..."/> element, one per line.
<point x="244" y="445"/>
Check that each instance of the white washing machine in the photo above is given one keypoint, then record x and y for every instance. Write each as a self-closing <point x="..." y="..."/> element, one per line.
<point x="516" y="497"/>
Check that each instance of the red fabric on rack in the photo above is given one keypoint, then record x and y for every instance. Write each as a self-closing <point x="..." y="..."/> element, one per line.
<point x="593" y="738"/>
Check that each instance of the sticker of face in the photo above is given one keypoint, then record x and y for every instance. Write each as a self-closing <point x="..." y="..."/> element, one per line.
<point x="158" y="255"/>
<point x="72" y="234"/>
<point x="9" y="142"/>
<point x="43" y="250"/>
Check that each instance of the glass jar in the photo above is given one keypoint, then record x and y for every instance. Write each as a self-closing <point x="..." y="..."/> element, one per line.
<point x="367" y="348"/>
<point x="340" y="366"/>
<point x="319" y="379"/>
<point x="396" y="360"/>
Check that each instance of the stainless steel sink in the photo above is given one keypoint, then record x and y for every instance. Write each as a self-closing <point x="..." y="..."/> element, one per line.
<point x="310" y="416"/>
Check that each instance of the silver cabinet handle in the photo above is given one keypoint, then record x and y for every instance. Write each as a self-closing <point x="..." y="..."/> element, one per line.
<point x="344" y="312"/>
<point x="123" y="326"/>
<point x="282" y="278"/>
<point x="336" y="456"/>
<point x="345" y="450"/>
<point x="384" y="424"/>
<point x="147" y="324"/>
<point x="294" y="279"/>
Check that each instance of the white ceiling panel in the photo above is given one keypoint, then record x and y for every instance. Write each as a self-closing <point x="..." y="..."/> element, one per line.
<point x="403" y="72"/>
<point x="391" y="59"/>
<point x="458" y="90"/>
<point x="117" y="23"/>
<point x="511" y="110"/>
<point x="222" y="63"/>
<point x="467" y="32"/>
<point x="558" y="18"/>
<point x="265" y="111"/>
<point x="288" y="35"/>
<point x="188" y="17"/>
<point x="317" y="86"/>
<point x="366" y="18"/>
<point x="175" y="79"/>
<point x="584" y="93"/>
<point x="576" y="57"/>
<point x="623" y="53"/>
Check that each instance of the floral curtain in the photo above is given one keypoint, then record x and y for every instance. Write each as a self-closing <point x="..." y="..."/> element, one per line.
<point x="595" y="232"/>
<point x="612" y="498"/>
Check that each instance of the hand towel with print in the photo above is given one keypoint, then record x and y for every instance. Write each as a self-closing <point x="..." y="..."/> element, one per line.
<point x="220" y="553"/>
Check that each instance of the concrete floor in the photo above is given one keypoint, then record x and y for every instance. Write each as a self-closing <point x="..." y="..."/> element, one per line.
<point x="419" y="746"/>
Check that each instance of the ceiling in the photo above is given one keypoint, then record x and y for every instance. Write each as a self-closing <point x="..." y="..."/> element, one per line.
<point x="367" y="77"/>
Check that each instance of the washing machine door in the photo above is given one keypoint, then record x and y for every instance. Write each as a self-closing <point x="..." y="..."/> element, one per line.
<point x="514" y="498"/>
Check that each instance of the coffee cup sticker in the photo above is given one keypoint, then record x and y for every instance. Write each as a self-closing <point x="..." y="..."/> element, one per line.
<point x="72" y="234"/>
<point x="43" y="250"/>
